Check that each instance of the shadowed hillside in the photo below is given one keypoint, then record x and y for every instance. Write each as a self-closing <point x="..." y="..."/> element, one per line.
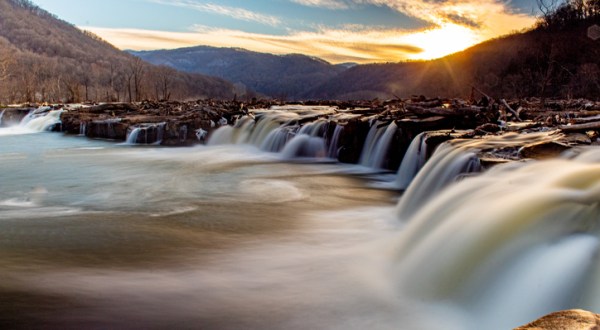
<point x="280" y="76"/>
<point x="558" y="58"/>
<point x="43" y="58"/>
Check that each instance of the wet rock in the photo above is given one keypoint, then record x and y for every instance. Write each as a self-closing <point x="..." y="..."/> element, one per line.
<point x="563" y="320"/>
<point x="12" y="116"/>
<point x="578" y="138"/>
<point x="543" y="150"/>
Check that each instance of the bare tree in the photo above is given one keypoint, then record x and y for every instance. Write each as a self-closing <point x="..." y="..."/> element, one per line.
<point x="162" y="82"/>
<point x="6" y="61"/>
<point x="135" y="76"/>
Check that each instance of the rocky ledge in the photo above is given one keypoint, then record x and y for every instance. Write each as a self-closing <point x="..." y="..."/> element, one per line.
<point x="188" y="123"/>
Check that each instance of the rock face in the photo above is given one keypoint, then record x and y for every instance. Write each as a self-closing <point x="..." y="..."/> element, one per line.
<point x="165" y="123"/>
<point x="575" y="319"/>
<point x="12" y="116"/>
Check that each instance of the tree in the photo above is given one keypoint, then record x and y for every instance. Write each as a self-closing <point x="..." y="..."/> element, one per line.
<point x="6" y="60"/>
<point x="135" y="76"/>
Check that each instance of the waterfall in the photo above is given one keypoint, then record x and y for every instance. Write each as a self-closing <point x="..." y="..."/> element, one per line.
<point x="294" y="131"/>
<point x="132" y="137"/>
<point x="303" y="145"/>
<point x="453" y="159"/>
<point x="277" y="139"/>
<point x="377" y="145"/>
<point x="443" y="168"/>
<point x="41" y="121"/>
<point x="152" y="134"/>
<point x="414" y="160"/>
<point x="1" y="115"/>
<point x="333" y="149"/>
<point x="509" y="245"/>
<point x="82" y="128"/>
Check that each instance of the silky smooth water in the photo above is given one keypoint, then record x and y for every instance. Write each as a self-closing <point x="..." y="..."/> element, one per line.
<point x="95" y="234"/>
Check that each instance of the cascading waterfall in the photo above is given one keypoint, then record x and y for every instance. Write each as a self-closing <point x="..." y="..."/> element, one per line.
<point x="132" y="137"/>
<point x="39" y="121"/>
<point x="1" y="115"/>
<point x="414" y="160"/>
<point x="507" y="246"/>
<point x="453" y="159"/>
<point x="277" y="139"/>
<point x="279" y="130"/>
<point x="333" y="149"/>
<point x="303" y="145"/>
<point x="377" y="145"/>
<point x="153" y="134"/>
<point x="82" y="128"/>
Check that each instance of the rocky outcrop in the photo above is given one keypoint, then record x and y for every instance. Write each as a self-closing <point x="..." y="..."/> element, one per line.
<point x="12" y="116"/>
<point x="166" y="123"/>
<point x="348" y="122"/>
<point x="565" y="320"/>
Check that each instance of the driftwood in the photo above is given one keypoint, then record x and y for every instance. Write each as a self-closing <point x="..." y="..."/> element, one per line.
<point x="440" y="111"/>
<point x="511" y="110"/>
<point x="109" y="107"/>
<point x="580" y="127"/>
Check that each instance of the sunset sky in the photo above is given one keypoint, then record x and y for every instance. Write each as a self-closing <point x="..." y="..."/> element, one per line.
<point x="336" y="30"/>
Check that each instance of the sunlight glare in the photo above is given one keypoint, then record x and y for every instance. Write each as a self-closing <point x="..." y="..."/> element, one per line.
<point x="442" y="41"/>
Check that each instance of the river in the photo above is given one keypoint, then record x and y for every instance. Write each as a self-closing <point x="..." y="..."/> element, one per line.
<point x="98" y="234"/>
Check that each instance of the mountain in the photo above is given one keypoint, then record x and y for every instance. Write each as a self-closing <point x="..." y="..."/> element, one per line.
<point x="280" y="76"/>
<point x="43" y="58"/>
<point x="551" y="60"/>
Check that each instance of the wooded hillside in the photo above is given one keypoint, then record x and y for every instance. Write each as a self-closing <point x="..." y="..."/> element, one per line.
<point x="280" y="76"/>
<point x="557" y="58"/>
<point x="45" y="59"/>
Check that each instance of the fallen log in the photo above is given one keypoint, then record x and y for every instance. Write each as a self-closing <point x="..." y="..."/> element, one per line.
<point x="511" y="110"/>
<point x="580" y="127"/>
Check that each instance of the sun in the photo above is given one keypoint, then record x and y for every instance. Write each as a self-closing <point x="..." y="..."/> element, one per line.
<point x="442" y="41"/>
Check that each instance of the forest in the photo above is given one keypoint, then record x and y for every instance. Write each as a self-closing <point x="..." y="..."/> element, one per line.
<point x="44" y="59"/>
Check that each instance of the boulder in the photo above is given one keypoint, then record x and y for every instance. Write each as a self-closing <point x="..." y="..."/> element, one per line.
<point x="569" y="319"/>
<point x="543" y="150"/>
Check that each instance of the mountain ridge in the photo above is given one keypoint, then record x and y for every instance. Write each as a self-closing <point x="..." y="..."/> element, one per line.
<point x="280" y="76"/>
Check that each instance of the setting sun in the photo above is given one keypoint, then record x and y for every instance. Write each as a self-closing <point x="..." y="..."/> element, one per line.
<point x="442" y="41"/>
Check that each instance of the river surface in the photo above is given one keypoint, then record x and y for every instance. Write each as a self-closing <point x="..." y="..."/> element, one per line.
<point x="97" y="234"/>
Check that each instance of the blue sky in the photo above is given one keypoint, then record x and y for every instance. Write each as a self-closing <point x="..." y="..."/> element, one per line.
<point x="336" y="30"/>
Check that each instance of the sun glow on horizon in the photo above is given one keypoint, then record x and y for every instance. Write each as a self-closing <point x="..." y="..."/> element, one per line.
<point x="444" y="40"/>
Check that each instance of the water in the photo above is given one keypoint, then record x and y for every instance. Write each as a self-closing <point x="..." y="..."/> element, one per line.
<point x="97" y="235"/>
<point x="377" y="145"/>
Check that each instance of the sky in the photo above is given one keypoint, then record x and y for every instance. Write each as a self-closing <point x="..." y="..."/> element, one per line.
<point x="360" y="31"/>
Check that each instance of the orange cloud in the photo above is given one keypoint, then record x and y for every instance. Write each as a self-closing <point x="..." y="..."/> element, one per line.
<point x="456" y="25"/>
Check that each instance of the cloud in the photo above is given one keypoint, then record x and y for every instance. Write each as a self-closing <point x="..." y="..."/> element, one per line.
<point x="233" y="12"/>
<point x="328" y="4"/>
<point x="334" y="45"/>
<point x="454" y="26"/>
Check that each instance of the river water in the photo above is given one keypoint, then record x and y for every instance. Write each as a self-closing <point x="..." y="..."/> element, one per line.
<point x="96" y="234"/>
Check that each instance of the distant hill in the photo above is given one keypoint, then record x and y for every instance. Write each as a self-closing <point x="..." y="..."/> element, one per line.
<point x="281" y="76"/>
<point x="547" y="61"/>
<point x="43" y="58"/>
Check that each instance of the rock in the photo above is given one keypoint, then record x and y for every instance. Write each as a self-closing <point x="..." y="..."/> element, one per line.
<point x="488" y="128"/>
<point x="543" y="150"/>
<point x="578" y="138"/>
<point x="13" y="116"/>
<point x="569" y="319"/>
